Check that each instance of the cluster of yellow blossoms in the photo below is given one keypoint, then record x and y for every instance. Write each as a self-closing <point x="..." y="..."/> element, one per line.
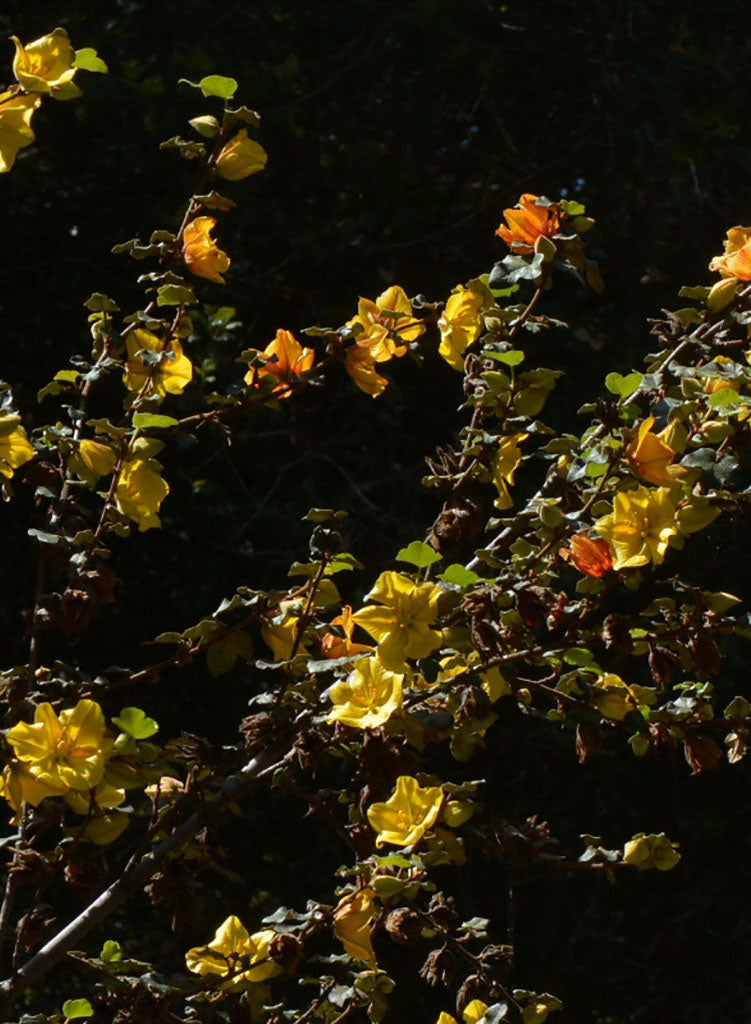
<point x="65" y="755"/>
<point x="45" y="67"/>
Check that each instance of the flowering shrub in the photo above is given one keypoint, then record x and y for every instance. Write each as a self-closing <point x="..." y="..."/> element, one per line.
<point x="571" y="606"/>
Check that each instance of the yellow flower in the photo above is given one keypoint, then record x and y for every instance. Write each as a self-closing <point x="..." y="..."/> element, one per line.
<point x="527" y="222"/>
<point x="15" y="450"/>
<point x="401" y="626"/>
<point x="474" y="1011"/>
<point x="232" y="953"/>
<point x="67" y="752"/>
<point x="615" y="699"/>
<point x="46" y="64"/>
<point x="92" y="460"/>
<point x="650" y="457"/>
<point x="140" y="491"/>
<point x="352" y="920"/>
<point x="640" y="526"/>
<point x="360" y="365"/>
<point x="18" y="786"/>
<point x="104" y="795"/>
<point x="737" y="259"/>
<point x="288" y="361"/>
<point x="15" y="125"/>
<point x="241" y="157"/>
<point x="368" y="698"/>
<point x="408" y="813"/>
<point x="503" y="466"/>
<point x="202" y="255"/>
<point x="171" y="373"/>
<point x="460" y="325"/>
<point x="651" y="851"/>
<point x="383" y="334"/>
<point x="281" y="637"/>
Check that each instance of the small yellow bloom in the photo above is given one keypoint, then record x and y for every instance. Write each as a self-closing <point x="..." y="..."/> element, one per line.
<point x="288" y="361"/>
<point x="503" y="466"/>
<point x="408" y="813"/>
<point x="360" y="365"/>
<point x="18" y="786"/>
<point x="105" y="795"/>
<point x="241" y="157"/>
<point x="460" y="325"/>
<point x="46" y="64"/>
<point x="170" y="374"/>
<point x="281" y="637"/>
<point x="615" y="699"/>
<point x="650" y="457"/>
<point x="474" y="1011"/>
<point x="15" y="450"/>
<point x="384" y="334"/>
<point x="368" y="697"/>
<point x="736" y="262"/>
<point x="15" y="125"/>
<point x="93" y="459"/>
<point x="232" y="953"/>
<point x="401" y="623"/>
<point x="68" y="752"/>
<point x="651" y="851"/>
<point x="640" y="526"/>
<point x="353" y="917"/>
<point x="202" y="255"/>
<point x="140" y="491"/>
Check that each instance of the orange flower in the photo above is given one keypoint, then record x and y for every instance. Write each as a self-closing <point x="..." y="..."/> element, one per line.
<point x="287" y="360"/>
<point x="650" y="457"/>
<point x="737" y="259"/>
<point x="202" y="255"/>
<point x="527" y="222"/>
<point x="342" y="647"/>
<point x="590" y="555"/>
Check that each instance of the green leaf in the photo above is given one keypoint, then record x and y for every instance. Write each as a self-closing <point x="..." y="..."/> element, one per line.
<point x="459" y="575"/>
<point x="175" y="295"/>
<point x="572" y="208"/>
<point x="623" y="386"/>
<point x="511" y="358"/>
<point x="206" y="125"/>
<point x="136" y="723"/>
<point x="45" y="538"/>
<point x="144" y="420"/>
<point x="222" y="654"/>
<point x="88" y="60"/>
<point x="343" y="562"/>
<point x="580" y="656"/>
<point x="214" y="85"/>
<point x="98" y="303"/>
<point x="75" y="1008"/>
<point x="695" y="292"/>
<point x="111" y="951"/>
<point x="725" y="396"/>
<point x="322" y="515"/>
<point x="418" y="554"/>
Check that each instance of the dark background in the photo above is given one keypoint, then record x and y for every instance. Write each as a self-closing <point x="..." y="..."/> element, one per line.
<point x="397" y="132"/>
